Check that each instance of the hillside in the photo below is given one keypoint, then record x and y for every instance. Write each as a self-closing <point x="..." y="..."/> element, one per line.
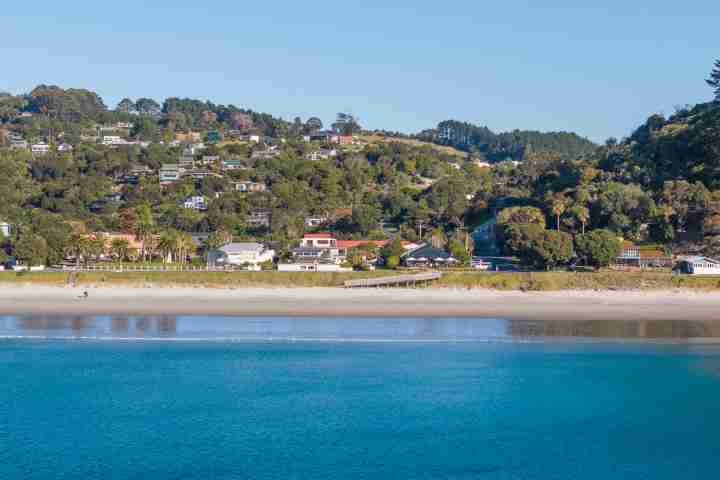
<point x="498" y="147"/>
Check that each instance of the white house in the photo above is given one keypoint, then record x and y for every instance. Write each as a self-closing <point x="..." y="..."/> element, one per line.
<point x="196" y="202"/>
<point x="5" y="229"/>
<point x="169" y="173"/>
<point x="40" y="148"/>
<point x="312" y="267"/>
<point x="699" y="266"/>
<point x="319" y="240"/>
<point x="112" y="140"/>
<point x="315" y="221"/>
<point x="247" y="186"/>
<point x="322" y="154"/>
<point x="251" y="254"/>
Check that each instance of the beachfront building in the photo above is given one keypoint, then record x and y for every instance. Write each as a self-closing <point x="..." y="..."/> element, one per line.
<point x="428" y="256"/>
<point x="642" y="257"/>
<point x="695" y="265"/>
<point x="249" y="254"/>
<point x="312" y="267"/>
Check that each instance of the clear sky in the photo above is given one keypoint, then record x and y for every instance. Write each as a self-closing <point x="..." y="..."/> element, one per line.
<point x="596" y="68"/>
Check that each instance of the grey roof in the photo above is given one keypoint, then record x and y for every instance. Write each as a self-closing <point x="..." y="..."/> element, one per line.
<point x="429" y="252"/>
<point x="239" y="247"/>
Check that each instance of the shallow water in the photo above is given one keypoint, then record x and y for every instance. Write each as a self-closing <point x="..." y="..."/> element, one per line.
<point x="405" y="400"/>
<point x="348" y="329"/>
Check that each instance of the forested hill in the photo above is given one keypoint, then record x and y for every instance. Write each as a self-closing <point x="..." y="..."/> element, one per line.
<point x="69" y="109"/>
<point x="685" y="146"/>
<point x="498" y="147"/>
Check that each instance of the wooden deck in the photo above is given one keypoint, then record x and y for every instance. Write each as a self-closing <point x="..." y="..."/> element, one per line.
<point x="412" y="280"/>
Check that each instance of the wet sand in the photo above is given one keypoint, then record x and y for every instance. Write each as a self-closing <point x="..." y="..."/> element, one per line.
<point x="308" y="302"/>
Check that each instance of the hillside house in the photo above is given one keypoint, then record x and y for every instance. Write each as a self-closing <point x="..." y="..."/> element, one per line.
<point x="196" y="202"/>
<point x="199" y="174"/>
<point x="5" y="229"/>
<point x="188" y="137"/>
<point x="169" y="173"/>
<point x="112" y="140"/>
<point x="259" y="218"/>
<point x="314" y="221"/>
<point x="319" y="240"/>
<point x="322" y="154"/>
<point x="232" y="164"/>
<point x="40" y="148"/>
<point x="249" y="187"/>
<point x="186" y="162"/>
<point x="264" y="154"/>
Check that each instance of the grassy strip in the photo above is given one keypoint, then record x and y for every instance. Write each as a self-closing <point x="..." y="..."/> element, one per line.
<point x="554" y="281"/>
<point x="541" y="281"/>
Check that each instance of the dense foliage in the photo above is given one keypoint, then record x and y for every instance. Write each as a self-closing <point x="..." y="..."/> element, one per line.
<point x="564" y="197"/>
<point x="498" y="147"/>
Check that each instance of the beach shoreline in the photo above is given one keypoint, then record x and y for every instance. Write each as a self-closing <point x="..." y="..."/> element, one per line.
<point x="333" y="302"/>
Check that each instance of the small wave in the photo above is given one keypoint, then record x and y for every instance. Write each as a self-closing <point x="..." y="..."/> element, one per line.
<point x="268" y="339"/>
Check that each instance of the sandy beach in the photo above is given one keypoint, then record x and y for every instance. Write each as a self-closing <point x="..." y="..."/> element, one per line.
<point x="434" y="302"/>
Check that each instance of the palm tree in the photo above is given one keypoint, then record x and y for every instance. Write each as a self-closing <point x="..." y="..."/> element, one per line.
<point x="120" y="249"/>
<point x="97" y="246"/>
<point x="583" y="215"/>
<point x="79" y="247"/>
<point x="187" y="246"/>
<point x="143" y="227"/>
<point x="558" y="207"/>
<point x="167" y="245"/>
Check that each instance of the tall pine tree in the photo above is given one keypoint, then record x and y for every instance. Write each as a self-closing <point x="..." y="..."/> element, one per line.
<point x="714" y="80"/>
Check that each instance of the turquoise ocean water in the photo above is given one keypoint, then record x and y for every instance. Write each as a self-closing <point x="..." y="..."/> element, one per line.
<point x="192" y="398"/>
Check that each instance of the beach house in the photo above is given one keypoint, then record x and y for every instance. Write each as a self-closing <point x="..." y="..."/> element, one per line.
<point x="428" y="256"/>
<point x="695" y="265"/>
<point x="642" y="257"/>
<point x="249" y="254"/>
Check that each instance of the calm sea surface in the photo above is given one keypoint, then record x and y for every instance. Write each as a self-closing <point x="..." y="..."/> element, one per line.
<point x="164" y="398"/>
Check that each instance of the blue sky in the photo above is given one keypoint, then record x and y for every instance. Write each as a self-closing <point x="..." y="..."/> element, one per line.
<point x="596" y="68"/>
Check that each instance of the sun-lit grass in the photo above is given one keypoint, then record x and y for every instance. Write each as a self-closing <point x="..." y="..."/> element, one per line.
<point x="540" y="281"/>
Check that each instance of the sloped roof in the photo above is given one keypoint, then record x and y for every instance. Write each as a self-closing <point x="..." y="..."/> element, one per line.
<point x="240" y="247"/>
<point x="319" y="235"/>
<point x="429" y="252"/>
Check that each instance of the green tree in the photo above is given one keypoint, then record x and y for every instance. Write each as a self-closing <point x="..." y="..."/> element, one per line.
<point x="714" y="80"/>
<point x="365" y="218"/>
<point x="550" y="249"/>
<point x="31" y="250"/>
<point x="598" y="247"/>
<point x="120" y="249"/>
<point x="143" y="227"/>
<point x="392" y="262"/>
<point x="393" y="248"/>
